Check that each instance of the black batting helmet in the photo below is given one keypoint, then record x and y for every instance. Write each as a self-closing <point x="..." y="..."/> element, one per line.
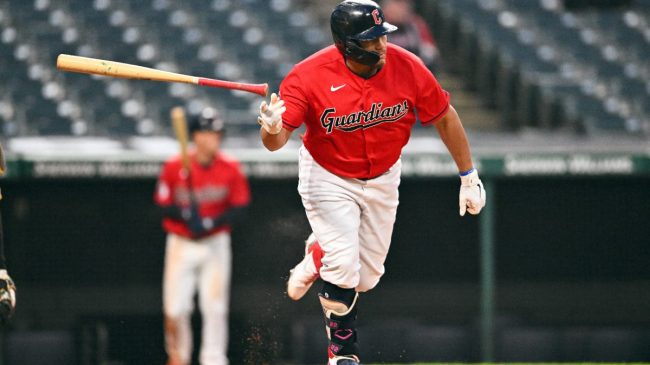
<point x="207" y="120"/>
<point x="358" y="20"/>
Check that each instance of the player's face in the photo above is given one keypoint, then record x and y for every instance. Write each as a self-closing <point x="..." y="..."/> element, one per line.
<point x="378" y="46"/>
<point x="207" y="142"/>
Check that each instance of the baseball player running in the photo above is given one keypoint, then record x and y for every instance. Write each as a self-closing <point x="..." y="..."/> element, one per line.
<point x="358" y="100"/>
<point x="199" y="208"/>
<point x="7" y="286"/>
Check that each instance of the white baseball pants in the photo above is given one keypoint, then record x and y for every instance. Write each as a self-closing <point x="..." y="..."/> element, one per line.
<point x="204" y="264"/>
<point x="352" y="220"/>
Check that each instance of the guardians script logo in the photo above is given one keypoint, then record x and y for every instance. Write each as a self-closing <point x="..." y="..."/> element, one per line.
<point x="363" y="119"/>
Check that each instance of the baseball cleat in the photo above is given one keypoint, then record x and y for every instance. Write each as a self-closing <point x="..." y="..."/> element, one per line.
<point x="344" y="360"/>
<point x="303" y="275"/>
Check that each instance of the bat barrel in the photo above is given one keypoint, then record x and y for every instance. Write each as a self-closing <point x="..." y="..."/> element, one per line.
<point x="97" y="66"/>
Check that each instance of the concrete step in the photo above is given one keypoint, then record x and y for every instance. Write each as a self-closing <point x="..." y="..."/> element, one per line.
<point x="479" y="119"/>
<point x="473" y="113"/>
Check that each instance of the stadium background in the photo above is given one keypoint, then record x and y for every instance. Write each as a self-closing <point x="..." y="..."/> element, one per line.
<point x="556" y="99"/>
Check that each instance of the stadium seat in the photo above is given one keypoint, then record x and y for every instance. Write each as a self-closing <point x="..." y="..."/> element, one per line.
<point x="531" y="47"/>
<point x="513" y="53"/>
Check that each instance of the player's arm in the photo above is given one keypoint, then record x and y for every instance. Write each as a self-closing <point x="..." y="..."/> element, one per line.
<point x="175" y="212"/>
<point x="188" y="214"/>
<point x="238" y="201"/>
<point x="274" y="142"/>
<point x="453" y="135"/>
<point x="472" y="194"/>
<point x="164" y="199"/>
<point x="7" y="286"/>
<point x="163" y="196"/>
<point x="272" y="134"/>
<point x="230" y="216"/>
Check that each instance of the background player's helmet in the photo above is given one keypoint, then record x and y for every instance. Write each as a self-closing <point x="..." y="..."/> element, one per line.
<point x="358" y="20"/>
<point x="207" y="120"/>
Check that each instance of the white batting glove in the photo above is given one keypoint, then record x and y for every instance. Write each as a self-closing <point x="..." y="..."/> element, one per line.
<point x="472" y="193"/>
<point x="270" y="117"/>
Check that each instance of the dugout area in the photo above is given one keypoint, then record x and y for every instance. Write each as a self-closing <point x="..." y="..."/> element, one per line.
<point x="573" y="283"/>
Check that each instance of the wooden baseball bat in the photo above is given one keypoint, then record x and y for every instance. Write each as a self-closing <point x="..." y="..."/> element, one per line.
<point x="3" y="165"/>
<point x="180" y="129"/>
<point x="179" y="123"/>
<point x="97" y="66"/>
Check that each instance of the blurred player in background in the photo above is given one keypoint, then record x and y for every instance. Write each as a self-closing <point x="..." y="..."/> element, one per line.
<point x="199" y="209"/>
<point x="7" y="286"/>
<point x="412" y="32"/>
<point x="358" y="100"/>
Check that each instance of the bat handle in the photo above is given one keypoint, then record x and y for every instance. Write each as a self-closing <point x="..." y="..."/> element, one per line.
<point x="260" y="89"/>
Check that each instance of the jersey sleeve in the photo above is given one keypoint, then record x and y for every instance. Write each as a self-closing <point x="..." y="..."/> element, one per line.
<point x="163" y="195"/>
<point x="432" y="101"/>
<point x="295" y="100"/>
<point x="240" y="192"/>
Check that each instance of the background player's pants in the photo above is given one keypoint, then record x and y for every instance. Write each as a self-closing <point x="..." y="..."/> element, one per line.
<point x="205" y="264"/>
<point x="352" y="220"/>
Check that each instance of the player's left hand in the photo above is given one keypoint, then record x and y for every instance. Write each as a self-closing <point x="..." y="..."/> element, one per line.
<point x="472" y="194"/>
<point x="270" y="117"/>
<point x="194" y="220"/>
<point x="7" y="297"/>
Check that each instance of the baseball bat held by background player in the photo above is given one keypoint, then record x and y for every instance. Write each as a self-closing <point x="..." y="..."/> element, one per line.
<point x="179" y="124"/>
<point x="96" y="66"/>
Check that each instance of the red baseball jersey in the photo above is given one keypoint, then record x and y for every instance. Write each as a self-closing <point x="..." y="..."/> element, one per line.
<point x="357" y="127"/>
<point x="216" y="188"/>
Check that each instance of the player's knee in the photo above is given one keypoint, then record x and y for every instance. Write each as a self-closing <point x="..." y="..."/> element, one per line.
<point x="173" y="323"/>
<point x="367" y="283"/>
<point x="343" y="273"/>
<point x="177" y="311"/>
<point x="347" y="266"/>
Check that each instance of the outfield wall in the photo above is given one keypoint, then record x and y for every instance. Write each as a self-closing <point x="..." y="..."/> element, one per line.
<point x="85" y="247"/>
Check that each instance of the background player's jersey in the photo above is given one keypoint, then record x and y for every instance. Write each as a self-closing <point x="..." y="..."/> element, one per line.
<point x="216" y="188"/>
<point x="357" y="127"/>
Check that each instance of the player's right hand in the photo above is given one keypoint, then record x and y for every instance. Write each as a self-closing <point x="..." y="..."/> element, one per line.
<point x="7" y="297"/>
<point x="472" y="193"/>
<point x="270" y="117"/>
